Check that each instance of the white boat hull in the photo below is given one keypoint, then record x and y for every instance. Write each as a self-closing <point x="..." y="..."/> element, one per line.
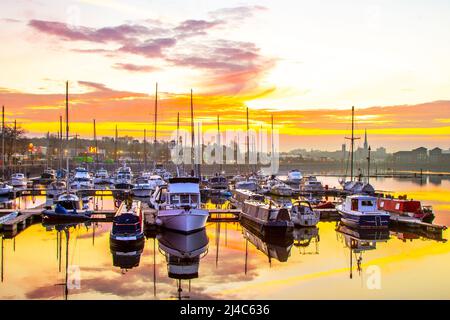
<point x="183" y="220"/>
<point x="141" y="192"/>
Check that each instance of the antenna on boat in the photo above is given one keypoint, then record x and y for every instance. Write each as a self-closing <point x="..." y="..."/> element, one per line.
<point x="352" y="139"/>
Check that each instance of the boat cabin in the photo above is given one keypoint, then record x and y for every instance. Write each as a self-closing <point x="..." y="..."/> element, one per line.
<point x="128" y="219"/>
<point x="361" y="204"/>
<point x="180" y="192"/>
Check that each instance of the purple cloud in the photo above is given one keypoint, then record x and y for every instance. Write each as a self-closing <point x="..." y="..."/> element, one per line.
<point x="241" y="12"/>
<point x="134" y="68"/>
<point x="150" y="49"/>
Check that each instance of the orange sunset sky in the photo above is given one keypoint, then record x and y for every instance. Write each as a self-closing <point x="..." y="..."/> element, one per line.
<point x="305" y="62"/>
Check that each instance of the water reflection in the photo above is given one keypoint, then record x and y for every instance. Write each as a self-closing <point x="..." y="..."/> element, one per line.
<point x="359" y="241"/>
<point x="307" y="240"/>
<point x="183" y="253"/>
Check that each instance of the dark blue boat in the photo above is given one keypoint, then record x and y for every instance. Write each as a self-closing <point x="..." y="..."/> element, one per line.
<point x="128" y="225"/>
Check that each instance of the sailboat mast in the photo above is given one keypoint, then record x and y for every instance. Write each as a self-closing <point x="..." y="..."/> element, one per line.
<point x="156" y="113"/>
<point x="192" y="133"/>
<point x="353" y="143"/>
<point x="3" y="142"/>
<point x="115" y="145"/>
<point x="219" y="144"/>
<point x="67" y="111"/>
<point x="248" y="144"/>
<point x="145" y="149"/>
<point x="96" y="144"/>
<point x="272" y="139"/>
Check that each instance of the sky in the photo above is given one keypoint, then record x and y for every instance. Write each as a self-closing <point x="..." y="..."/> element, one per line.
<point x="304" y="62"/>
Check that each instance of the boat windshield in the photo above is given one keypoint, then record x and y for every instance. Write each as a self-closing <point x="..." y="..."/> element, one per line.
<point x="70" y="205"/>
<point x="184" y="199"/>
<point x="126" y="223"/>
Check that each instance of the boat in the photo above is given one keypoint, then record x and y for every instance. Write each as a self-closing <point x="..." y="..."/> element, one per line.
<point x="128" y="225"/>
<point x="81" y="180"/>
<point x="358" y="187"/>
<point x="218" y="182"/>
<point x="142" y="188"/>
<point x="126" y="258"/>
<point x="240" y="195"/>
<point x="8" y="217"/>
<point x="5" y="189"/>
<point x="362" y="211"/>
<point x="302" y="214"/>
<point x="18" y="180"/>
<point x="55" y="188"/>
<point x="247" y="184"/>
<point x="156" y="181"/>
<point x="267" y="217"/>
<point x="311" y="184"/>
<point x="281" y="189"/>
<point x="294" y="177"/>
<point x="101" y="177"/>
<point x="408" y="208"/>
<point x="179" y="205"/>
<point x="123" y="178"/>
<point x="47" y="177"/>
<point x="68" y="207"/>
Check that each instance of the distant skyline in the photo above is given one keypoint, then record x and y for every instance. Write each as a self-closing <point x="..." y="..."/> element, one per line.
<point x="304" y="62"/>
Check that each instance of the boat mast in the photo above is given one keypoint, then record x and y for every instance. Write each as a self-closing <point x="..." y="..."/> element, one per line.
<point x="368" y="165"/>
<point x="67" y="135"/>
<point x="219" y="145"/>
<point x="3" y="142"/>
<point x="155" y="124"/>
<point x="145" y="149"/>
<point x="115" y="146"/>
<point x="273" y="147"/>
<point x="60" y="143"/>
<point x="352" y="139"/>
<point x="96" y="145"/>
<point x="248" y="145"/>
<point x="192" y="135"/>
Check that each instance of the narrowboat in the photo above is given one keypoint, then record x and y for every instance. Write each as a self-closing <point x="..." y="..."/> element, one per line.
<point x="409" y="208"/>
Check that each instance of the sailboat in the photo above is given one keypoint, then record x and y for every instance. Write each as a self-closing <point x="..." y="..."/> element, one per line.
<point x="351" y="186"/>
<point x="68" y="206"/>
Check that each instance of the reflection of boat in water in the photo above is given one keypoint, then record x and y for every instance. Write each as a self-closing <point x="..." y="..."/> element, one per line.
<point x="406" y="233"/>
<point x="360" y="241"/>
<point x="183" y="253"/>
<point x="278" y="248"/>
<point x="126" y="257"/>
<point x="305" y="237"/>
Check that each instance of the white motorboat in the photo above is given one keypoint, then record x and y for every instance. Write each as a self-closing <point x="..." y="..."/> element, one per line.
<point x="302" y="214"/>
<point x="5" y="189"/>
<point x="248" y="184"/>
<point x="123" y="178"/>
<point x="311" y="184"/>
<point x="55" y="188"/>
<point x="102" y="177"/>
<point x="81" y="180"/>
<point x="294" y="176"/>
<point x="361" y="211"/>
<point x="142" y="188"/>
<point x="179" y="205"/>
<point x="68" y="207"/>
<point x="18" y="180"/>
<point x="281" y="189"/>
<point x="357" y="187"/>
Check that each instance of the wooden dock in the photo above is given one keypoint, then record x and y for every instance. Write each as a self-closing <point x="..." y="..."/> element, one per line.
<point x="415" y="223"/>
<point x="21" y="222"/>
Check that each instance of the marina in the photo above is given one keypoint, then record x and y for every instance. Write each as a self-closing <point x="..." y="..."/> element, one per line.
<point x="261" y="254"/>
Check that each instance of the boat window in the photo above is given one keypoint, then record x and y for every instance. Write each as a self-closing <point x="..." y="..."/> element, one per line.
<point x="175" y="199"/>
<point x="367" y="203"/>
<point x="194" y="198"/>
<point x="354" y="204"/>
<point x="184" y="199"/>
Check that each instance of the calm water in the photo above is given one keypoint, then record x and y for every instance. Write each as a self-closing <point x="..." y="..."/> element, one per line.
<point x="229" y="261"/>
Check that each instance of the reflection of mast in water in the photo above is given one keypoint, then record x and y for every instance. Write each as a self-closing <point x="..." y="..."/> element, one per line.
<point x="303" y="238"/>
<point x="154" y="267"/>
<point x="358" y="241"/>
<point x="217" y="242"/>
<point x="3" y="248"/>
<point x="246" y="256"/>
